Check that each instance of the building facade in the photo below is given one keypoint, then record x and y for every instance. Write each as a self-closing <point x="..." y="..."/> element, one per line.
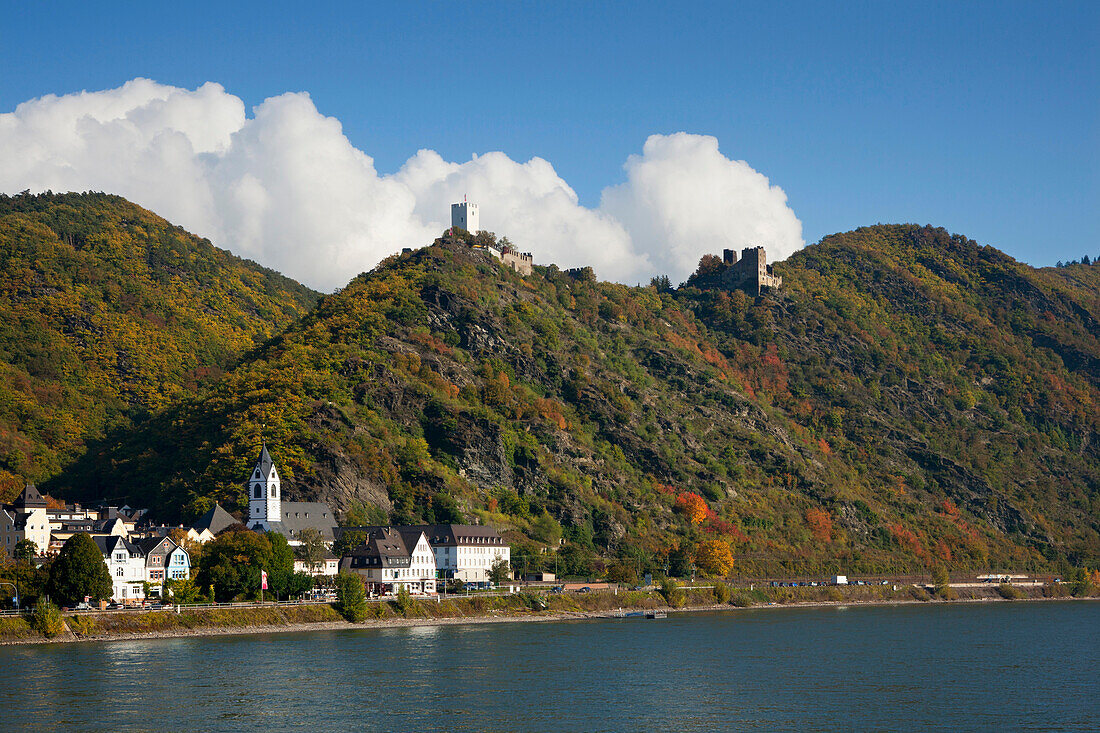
<point x="466" y="552"/>
<point x="392" y="557"/>
<point x="25" y="519"/>
<point x="752" y="272"/>
<point x="126" y="565"/>
<point x="465" y="216"/>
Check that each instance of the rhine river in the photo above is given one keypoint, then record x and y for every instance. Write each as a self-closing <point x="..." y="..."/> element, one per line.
<point x="972" y="667"/>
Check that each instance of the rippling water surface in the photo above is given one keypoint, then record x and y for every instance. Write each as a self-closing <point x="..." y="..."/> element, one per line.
<point x="971" y="667"/>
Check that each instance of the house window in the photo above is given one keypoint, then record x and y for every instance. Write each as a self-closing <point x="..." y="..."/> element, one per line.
<point x="120" y="572"/>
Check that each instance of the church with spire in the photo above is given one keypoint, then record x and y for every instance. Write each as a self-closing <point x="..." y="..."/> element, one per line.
<point x="267" y="512"/>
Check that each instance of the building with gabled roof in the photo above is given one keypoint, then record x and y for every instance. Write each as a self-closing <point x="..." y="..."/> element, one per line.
<point x="164" y="560"/>
<point x="268" y="512"/>
<point x="25" y="519"/>
<point x="126" y="564"/>
<point x="466" y="552"/>
<point x="209" y="525"/>
<point x="392" y="557"/>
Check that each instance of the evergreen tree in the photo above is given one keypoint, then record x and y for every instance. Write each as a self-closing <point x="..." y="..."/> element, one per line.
<point x="79" y="571"/>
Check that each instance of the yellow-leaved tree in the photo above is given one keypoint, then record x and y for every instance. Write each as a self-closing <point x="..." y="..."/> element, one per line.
<point x="714" y="557"/>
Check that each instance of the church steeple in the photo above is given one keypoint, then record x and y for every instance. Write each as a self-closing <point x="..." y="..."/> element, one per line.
<point x="264" y="492"/>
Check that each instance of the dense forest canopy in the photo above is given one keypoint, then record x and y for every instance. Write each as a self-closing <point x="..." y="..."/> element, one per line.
<point x="107" y="313"/>
<point x="908" y="398"/>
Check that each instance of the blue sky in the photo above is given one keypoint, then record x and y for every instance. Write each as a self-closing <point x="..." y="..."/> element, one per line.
<point x="983" y="118"/>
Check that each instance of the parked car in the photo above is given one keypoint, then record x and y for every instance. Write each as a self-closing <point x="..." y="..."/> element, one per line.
<point x="585" y="589"/>
<point x="82" y="606"/>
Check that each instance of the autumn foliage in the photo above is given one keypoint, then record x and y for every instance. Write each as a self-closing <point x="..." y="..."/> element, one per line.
<point x="821" y="524"/>
<point x="692" y="506"/>
<point x="714" y="557"/>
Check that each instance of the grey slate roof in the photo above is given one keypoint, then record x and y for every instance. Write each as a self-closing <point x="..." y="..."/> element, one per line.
<point x="149" y="544"/>
<point x="451" y="535"/>
<point x="31" y="498"/>
<point x="299" y="515"/>
<point x="215" y="520"/>
<point x="264" y="462"/>
<point x="385" y="544"/>
<point x="109" y="543"/>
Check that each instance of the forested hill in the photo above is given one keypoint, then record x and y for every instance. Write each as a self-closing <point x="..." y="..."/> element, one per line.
<point x="908" y="398"/>
<point x="108" y="312"/>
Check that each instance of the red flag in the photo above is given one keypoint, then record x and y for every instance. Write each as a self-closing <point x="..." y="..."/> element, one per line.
<point x="263" y="579"/>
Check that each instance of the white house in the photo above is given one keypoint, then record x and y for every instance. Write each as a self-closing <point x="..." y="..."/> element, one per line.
<point x="466" y="552"/>
<point x="26" y="519"/>
<point x="393" y="557"/>
<point x="126" y="563"/>
<point x="329" y="565"/>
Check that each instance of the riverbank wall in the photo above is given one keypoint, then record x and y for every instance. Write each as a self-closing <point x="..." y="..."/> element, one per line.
<point x="121" y="625"/>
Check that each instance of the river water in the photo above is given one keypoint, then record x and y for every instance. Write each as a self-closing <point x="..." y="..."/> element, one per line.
<point x="960" y="667"/>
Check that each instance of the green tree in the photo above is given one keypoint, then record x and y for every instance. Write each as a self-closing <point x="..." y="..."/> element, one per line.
<point x="312" y="549"/>
<point x="24" y="551"/>
<point x="232" y="562"/>
<point x="281" y="578"/>
<point x="182" y="590"/>
<point x="79" y="571"/>
<point x="941" y="581"/>
<point x="348" y="541"/>
<point x="499" y="572"/>
<point x="403" y="600"/>
<point x="351" y="597"/>
<point x="672" y="593"/>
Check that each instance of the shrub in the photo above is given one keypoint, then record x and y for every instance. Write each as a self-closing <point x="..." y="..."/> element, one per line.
<point x="919" y="593"/>
<point x="741" y="600"/>
<point x="721" y="593"/>
<point x="1055" y="590"/>
<point x="47" y="619"/>
<point x="16" y="627"/>
<point x="82" y="625"/>
<point x="942" y="583"/>
<point x="403" y="601"/>
<point x="351" y="598"/>
<point x="1009" y="592"/>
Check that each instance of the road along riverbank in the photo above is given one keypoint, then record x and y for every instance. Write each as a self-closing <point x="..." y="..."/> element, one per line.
<point x="263" y="619"/>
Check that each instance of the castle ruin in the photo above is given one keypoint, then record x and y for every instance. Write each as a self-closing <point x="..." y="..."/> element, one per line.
<point x="751" y="273"/>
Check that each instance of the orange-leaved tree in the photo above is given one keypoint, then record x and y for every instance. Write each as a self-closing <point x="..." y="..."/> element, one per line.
<point x="821" y="524"/>
<point x="692" y="506"/>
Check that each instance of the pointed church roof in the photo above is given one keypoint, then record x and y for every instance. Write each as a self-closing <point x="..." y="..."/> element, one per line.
<point x="264" y="462"/>
<point x="214" y="520"/>
<point x="30" y="499"/>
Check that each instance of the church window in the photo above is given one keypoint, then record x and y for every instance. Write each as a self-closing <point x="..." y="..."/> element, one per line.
<point x="258" y="491"/>
<point x="273" y="491"/>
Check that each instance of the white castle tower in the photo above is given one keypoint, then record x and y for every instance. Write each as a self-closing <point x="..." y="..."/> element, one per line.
<point x="465" y="216"/>
<point x="264" y="493"/>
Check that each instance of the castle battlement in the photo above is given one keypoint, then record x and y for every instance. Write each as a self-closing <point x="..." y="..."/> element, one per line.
<point x="751" y="272"/>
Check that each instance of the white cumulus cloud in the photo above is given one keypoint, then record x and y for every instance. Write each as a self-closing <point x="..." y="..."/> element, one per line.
<point x="286" y="187"/>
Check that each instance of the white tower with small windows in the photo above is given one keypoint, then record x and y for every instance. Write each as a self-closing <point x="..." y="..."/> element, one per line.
<point x="264" y="493"/>
<point x="465" y="216"/>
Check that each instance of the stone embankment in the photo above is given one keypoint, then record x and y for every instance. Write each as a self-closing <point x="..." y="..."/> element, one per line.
<point x="206" y="621"/>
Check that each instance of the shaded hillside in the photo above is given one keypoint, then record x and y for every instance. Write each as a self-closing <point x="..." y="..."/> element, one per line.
<point x="908" y="398"/>
<point x="107" y="312"/>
